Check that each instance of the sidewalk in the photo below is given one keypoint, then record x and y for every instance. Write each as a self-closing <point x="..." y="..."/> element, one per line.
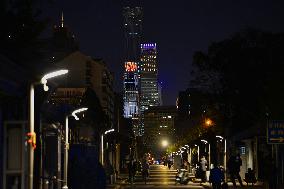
<point x="121" y="179"/>
<point x="258" y="185"/>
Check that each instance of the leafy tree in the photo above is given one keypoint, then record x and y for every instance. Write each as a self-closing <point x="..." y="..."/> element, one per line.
<point x="243" y="73"/>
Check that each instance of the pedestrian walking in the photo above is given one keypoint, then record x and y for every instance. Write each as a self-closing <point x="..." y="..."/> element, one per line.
<point x="234" y="164"/>
<point x="186" y="165"/>
<point x="216" y="177"/>
<point x="169" y="164"/>
<point x="203" y="168"/>
<point x="131" y="170"/>
<point x="145" y="170"/>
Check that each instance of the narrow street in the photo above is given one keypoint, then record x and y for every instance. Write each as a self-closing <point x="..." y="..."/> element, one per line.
<point x="160" y="177"/>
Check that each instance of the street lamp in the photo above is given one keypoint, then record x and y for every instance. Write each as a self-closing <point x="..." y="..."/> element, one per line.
<point x="208" y="122"/>
<point x="65" y="179"/>
<point x="31" y="118"/>
<point x="102" y="144"/>
<point x="197" y="151"/>
<point x="209" y="159"/>
<point x="165" y="143"/>
<point x="225" y="152"/>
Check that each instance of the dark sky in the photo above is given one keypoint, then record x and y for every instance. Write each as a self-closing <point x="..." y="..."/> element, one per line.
<point x="179" y="28"/>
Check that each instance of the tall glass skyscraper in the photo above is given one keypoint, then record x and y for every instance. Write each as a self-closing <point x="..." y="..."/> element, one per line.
<point x="149" y="86"/>
<point x="132" y="31"/>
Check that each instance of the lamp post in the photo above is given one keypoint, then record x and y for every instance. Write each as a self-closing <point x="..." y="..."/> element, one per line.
<point x="197" y="151"/>
<point x="32" y="117"/>
<point x="102" y="144"/>
<point x="225" y="152"/>
<point x="209" y="159"/>
<point x="165" y="143"/>
<point x="65" y="179"/>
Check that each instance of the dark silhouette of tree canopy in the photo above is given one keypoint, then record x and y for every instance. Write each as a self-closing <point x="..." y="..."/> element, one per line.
<point x="244" y="74"/>
<point x="20" y="31"/>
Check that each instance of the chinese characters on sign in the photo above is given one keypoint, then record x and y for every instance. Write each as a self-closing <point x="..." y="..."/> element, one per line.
<point x="275" y="132"/>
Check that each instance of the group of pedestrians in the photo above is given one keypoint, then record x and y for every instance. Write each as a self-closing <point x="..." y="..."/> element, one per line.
<point x="217" y="175"/>
<point x="133" y="166"/>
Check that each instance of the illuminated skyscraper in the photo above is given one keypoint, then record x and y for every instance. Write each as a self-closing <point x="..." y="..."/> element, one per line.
<point x="132" y="31"/>
<point x="149" y="86"/>
<point x="131" y="94"/>
<point x="133" y="28"/>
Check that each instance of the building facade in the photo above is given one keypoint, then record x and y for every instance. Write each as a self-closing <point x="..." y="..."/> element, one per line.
<point x="86" y="72"/>
<point x="132" y="31"/>
<point x="149" y="76"/>
<point x="159" y="123"/>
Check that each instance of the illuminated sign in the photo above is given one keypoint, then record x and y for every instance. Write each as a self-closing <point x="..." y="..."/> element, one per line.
<point x="130" y="66"/>
<point x="275" y="132"/>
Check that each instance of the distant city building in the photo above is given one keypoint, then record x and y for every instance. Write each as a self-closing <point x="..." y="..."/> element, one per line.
<point x="132" y="30"/>
<point x="131" y="93"/>
<point x="86" y="72"/>
<point x="160" y="90"/>
<point x="60" y="44"/>
<point x="183" y="104"/>
<point x="149" y="87"/>
<point x="190" y="102"/>
<point x="148" y="74"/>
<point x="159" y="123"/>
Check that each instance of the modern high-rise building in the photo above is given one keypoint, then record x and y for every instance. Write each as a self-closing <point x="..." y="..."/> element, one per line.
<point x="149" y="86"/>
<point x="132" y="30"/>
<point x="131" y="90"/>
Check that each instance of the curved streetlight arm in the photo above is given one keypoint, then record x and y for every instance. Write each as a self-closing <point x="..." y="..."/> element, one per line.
<point x="102" y="144"/>
<point x="51" y="75"/>
<point x="65" y="186"/>
<point x="78" y="111"/>
<point x="31" y="118"/>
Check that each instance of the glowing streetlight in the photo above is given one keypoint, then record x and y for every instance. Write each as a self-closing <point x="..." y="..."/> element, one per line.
<point x="102" y="144"/>
<point x="78" y="111"/>
<point x="65" y="186"/>
<point x="165" y="143"/>
<point x="208" y="122"/>
<point x="209" y="151"/>
<point x="225" y="152"/>
<point x="51" y="75"/>
<point x="31" y="118"/>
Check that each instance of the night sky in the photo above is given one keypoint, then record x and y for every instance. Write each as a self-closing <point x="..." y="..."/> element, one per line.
<point x="179" y="28"/>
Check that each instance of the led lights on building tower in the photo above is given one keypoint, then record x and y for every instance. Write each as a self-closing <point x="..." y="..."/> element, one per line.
<point x="132" y="30"/>
<point x="131" y="95"/>
<point x="149" y="86"/>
